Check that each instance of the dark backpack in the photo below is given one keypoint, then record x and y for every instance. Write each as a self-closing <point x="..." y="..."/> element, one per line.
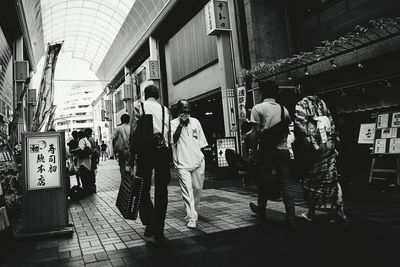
<point x="142" y="138"/>
<point x="272" y="136"/>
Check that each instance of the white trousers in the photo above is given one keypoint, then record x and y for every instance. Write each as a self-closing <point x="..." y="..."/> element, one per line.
<point x="191" y="182"/>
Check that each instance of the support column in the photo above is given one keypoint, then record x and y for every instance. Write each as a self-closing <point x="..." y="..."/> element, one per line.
<point x="19" y="86"/>
<point x="228" y="91"/>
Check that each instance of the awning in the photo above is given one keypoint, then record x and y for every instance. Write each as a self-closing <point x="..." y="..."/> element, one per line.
<point x="379" y="37"/>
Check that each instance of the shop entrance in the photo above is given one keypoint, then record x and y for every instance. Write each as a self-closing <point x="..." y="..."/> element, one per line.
<point x="207" y="109"/>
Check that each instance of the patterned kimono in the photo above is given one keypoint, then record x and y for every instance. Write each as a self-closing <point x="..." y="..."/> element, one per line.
<point x="322" y="178"/>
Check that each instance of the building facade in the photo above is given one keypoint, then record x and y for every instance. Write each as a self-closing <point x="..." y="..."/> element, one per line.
<point x="76" y="112"/>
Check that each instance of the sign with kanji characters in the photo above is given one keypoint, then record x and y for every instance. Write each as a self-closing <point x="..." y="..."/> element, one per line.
<point x="387" y="134"/>
<point x="31" y="96"/>
<point x="217" y="17"/>
<point x="367" y="133"/>
<point x="154" y="70"/>
<point x="43" y="164"/>
<point x="45" y="188"/>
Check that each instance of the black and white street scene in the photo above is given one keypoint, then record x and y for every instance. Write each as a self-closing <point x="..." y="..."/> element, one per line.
<point x="199" y="133"/>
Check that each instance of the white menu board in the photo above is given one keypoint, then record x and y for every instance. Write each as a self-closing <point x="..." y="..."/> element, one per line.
<point x="367" y="133"/>
<point x="380" y="146"/>
<point x="396" y="119"/>
<point x="382" y="121"/>
<point x="43" y="162"/>
<point x="394" y="146"/>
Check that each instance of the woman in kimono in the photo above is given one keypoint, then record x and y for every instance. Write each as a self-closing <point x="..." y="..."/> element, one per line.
<point x="315" y="128"/>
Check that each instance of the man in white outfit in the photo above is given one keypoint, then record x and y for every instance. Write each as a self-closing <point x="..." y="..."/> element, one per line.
<point x="188" y="140"/>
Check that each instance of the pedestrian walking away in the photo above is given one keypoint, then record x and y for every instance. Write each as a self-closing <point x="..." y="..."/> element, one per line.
<point x="120" y="142"/>
<point x="315" y="129"/>
<point x="188" y="140"/>
<point x="268" y="149"/>
<point x="103" y="147"/>
<point x="154" y="157"/>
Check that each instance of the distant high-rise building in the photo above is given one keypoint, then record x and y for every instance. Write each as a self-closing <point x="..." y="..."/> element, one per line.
<point x="76" y="112"/>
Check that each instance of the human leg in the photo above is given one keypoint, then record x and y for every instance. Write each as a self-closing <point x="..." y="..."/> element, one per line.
<point x="197" y="183"/>
<point x="185" y="181"/>
<point x="162" y="179"/>
<point x="281" y="160"/>
<point x="146" y="209"/>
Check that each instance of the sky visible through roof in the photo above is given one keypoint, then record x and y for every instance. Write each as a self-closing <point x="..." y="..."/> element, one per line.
<point x="87" y="28"/>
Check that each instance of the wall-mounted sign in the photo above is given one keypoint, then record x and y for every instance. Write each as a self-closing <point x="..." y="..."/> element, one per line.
<point x="153" y="70"/>
<point x="241" y="96"/>
<point x="217" y="17"/>
<point x="367" y="133"/>
<point x="387" y="135"/>
<point x="43" y="161"/>
<point x="21" y="70"/>
<point x="128" y="92"/>
<point x="32" y="96"/>
<point x="222" y="145"/>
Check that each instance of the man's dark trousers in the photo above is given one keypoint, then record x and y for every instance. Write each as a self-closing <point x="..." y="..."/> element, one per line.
<point x="154" y="216"/>
<point x="280" y="159"/>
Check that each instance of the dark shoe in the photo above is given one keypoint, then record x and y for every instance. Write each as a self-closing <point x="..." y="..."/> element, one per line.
<point x="148" y="232"/>
<point x="260" y="212"/>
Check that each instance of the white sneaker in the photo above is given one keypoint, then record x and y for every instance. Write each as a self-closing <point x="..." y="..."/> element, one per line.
<point x="191" y="224"/>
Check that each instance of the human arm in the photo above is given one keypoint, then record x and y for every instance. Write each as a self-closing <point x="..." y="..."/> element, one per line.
<point x="183" y="121"/>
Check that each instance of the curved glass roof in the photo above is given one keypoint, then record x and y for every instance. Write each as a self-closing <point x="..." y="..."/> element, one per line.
<point x="87" y="27"/>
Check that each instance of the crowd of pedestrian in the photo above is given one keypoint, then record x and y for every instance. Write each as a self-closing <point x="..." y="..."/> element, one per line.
<point x="83" y="157"/>
<point x="152" y="142"/>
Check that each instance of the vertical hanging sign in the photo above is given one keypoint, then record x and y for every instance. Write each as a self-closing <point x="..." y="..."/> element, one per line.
<point x="217" y="17"/>
<point x="154" y="70"/>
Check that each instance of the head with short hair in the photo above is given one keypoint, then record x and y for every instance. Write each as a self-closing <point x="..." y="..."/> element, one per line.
<point x="268" y="89"/>
<point x="125" y="118"/>
<point x="81" y="134"/>
<point x="183" y="106"/>
<point x="151" y="91"/>
<point x="74" y="134"/>
<point x="88" y="132"/>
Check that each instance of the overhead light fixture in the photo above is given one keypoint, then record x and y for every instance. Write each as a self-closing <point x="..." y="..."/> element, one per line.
<point x="306" y="71"/>
<point x="359" y="64"/>
<point x="332" y="61"/>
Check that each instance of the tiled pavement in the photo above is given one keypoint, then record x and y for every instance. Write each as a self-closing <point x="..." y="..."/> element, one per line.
<point x="227" y="235"/>
<point x="101" y="232"/>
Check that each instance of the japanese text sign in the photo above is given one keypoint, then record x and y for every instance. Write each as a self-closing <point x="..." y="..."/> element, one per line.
<point x="217" y="17"/>
<point x="387" y="136"/>
<point x="154" y="71"/>
<point x="43" y="161"/>
<point x="367" y="133"/>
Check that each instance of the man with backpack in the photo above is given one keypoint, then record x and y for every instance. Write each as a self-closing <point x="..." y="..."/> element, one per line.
<point x="150" y="142"/>
<point x="268" y="149"/>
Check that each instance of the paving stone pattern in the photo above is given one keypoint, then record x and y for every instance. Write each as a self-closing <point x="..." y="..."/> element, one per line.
<point x="102" y="236"/>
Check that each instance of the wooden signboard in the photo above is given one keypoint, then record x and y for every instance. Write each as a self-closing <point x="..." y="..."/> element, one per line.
<point x="45" y="188"/>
